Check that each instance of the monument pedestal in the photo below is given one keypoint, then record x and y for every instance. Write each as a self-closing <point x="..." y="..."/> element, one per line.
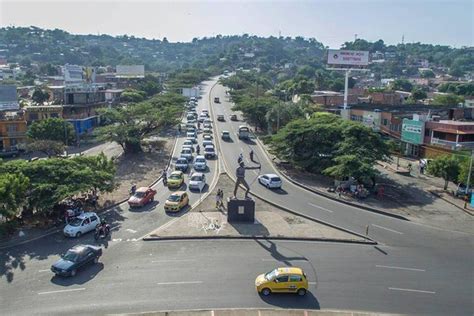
<point x="240" y="211"/>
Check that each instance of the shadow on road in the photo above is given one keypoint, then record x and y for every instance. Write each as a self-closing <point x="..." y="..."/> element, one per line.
<point x="84" y="275"/>
<point x="309" y="301"/>
<point x="272" y="249"/>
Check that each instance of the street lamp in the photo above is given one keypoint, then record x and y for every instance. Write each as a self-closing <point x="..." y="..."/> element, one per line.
<point x="470" y="170"/>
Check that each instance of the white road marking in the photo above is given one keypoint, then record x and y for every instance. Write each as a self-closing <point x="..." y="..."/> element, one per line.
<point x="182" y="282"/>
<point x="117" y="239"/>
<point x="173" y="260"/>
<point x="45" y="270"/>
<point x="390" y="230"/>
<point x="411" y="290"/>
<point x="320" y="207"/>
<point x="115" y="227"/>
<point x="311" y="282"/>
<point x="61" y="291"/>
<point x="273" y="259"/>
<point x="399" y="268"/>
<point x="131" y="230"/>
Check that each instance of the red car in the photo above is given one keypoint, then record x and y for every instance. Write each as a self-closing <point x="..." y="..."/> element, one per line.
<point x="142" y="197"/>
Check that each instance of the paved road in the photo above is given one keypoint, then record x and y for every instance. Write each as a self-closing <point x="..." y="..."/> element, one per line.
<point x="415" y="269"/>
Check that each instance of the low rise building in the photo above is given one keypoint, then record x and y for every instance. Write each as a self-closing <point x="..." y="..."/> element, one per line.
<point x="41" y="112"/>
<point x="12" y="131"/>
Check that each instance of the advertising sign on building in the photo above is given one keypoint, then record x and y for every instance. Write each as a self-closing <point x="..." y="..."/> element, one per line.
<point x="348" y="57"/>
<point x="413" y="131"/>
<point x="8" y="98"/>
<point x="72" y="73"/>
<point x="134" y="71"/>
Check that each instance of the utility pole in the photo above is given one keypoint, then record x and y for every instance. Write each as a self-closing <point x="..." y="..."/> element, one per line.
<point x="65" y="135"/>
<point x="469" y="174"/>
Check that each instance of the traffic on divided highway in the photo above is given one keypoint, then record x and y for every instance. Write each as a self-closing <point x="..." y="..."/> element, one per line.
<point x="172" y="170"/>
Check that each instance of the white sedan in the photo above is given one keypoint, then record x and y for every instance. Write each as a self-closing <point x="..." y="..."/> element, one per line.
<point x="271" y="181"/>
<point x="197" y="181"/>
<point x="81" y="224"/>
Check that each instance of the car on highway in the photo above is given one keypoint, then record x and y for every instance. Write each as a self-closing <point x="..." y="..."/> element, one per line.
<point x="188" y="142"/>
<point x="220" y="118"/>
<point x="190" y="117"/>
<point x="191" y="136"/>
<point x="207" y="137"/>
<point x="186" y="153"/>
<point x="202" y="118"/>
<point x="207" y="143"/>
<point x="209" y="152"/>
<point x="282" y="280"/>
<point x="176" y="201"/>
<point x="225" y="135"/>
<point x="197" y="181"/>
<point x="205" y="111"/>
<point x="193" y="120"/>
<point x="181" y="164"/>
<point x="175" y="179"/>
<point x="200" y="163"/>
<point x="217" y="100"/>
<point x="208" y="121"/>
<point x="141" y="197"/>
<point x="192" y="130"/>
<point x="233" y="117"/>
<point x="188" y="146"/>
<point x="244" y="132"/>
<point x="207" y="131"/>
<point x="270" y="180"/>
<point x="75" y="258"/>
<point x="207" y="125"/>
<point x="81" y="224"/>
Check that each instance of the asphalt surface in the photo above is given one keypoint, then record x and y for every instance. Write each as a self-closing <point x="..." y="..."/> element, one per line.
<point x="415" y="269"/>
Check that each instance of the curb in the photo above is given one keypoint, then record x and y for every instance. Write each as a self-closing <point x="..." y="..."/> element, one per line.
<point x="453" y="204"/>
<point x="177" y="238"/>
<point x="364" y="207"/>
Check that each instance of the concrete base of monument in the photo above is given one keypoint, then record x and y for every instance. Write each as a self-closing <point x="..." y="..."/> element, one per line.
<point x="241" y="210"/>
<point x="207" y="222"/>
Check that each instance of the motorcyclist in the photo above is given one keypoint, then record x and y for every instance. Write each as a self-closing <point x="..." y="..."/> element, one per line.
<point x="133" y="189"/>
<point x="198" y="149"/>
<point x="240" y="159"/>
<point x="165" y="177"/>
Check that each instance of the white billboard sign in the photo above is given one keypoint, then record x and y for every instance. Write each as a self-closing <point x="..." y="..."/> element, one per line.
<point x="191" y="92"/>
<point x="130" y="71"/>
<point x="348" y="57"/>
<point x="8" y="98"/>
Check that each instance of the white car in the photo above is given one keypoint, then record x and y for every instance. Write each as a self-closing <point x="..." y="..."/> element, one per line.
<point x="197" y="181"/>
<point x="188" y="142"/>
<point x="207" y="125"/>
<point x="81" y="224"/>
<point x="209" y="152"/>
<point x="191" y="136"/>
<point x="206" y="143"/>
<point x="271" y="181"/>
<point x="188" y="147"/>
<point x="186" y="153"/>
<point x="181" y="164"/>
<point x="200" y="163"/>
<point x="205" y="111"/>
<point x="207" y="137"/>
<point x="201" y="118"/>
<point x="208" y="121"/>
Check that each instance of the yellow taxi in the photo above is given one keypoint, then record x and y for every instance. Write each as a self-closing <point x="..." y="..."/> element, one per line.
<point x="176" y="201"/>
<point x="282" y="280"/>
<point x="175" y="179"/>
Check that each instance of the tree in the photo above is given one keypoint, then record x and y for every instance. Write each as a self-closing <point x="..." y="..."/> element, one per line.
<point x="48" y="147"/>
<point x="39" y="96"/>
<point x="427" y="74"/>
<point x="402" y="84"/>
<point x="132" y="96"/>
<point x="283" y="113"/>
<point x="349" y="165"/>
<point x="128" y="125"/>
<point x="418" y="94"/>
<point x="447" y="100"/>
<point x="464" y="166"/>
<point x="254" y="110"/>
<point x="52" y="129"/>
<point x="446" y="167"/>
<point x="13" y="188"/>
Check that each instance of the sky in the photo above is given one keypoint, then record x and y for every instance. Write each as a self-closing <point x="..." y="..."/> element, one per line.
<point x="445" y="22"/>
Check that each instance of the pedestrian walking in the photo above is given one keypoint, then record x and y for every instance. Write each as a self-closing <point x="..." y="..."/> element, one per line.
<point x="240" y="159"/>
<point x="179" y="128"/>
<point x="251" y="155"/>
<point x="218" y="198"/>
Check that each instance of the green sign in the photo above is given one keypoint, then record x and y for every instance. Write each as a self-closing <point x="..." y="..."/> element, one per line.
<point x="413" y="132"/>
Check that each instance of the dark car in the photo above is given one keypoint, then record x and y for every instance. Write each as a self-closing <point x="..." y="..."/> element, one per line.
<point x="233" y="117"/>
<point x="75" y="258"/>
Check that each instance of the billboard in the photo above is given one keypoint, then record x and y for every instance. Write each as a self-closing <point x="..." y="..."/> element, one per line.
<point x="191" y="92"/>
<point x="8" y="98"/>
<point x="413" y="132"/>
<point x="348" y="57"/>
<point x="137" y="71"/>
<point x="78" y="74"/>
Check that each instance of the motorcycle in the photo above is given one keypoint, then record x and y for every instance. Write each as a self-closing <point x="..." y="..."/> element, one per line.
<point x="101" y="231"/>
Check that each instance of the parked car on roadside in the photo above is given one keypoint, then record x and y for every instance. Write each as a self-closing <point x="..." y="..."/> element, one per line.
<point x="81" y="224"/>
<point x="142" y="196"/>
<point x="75" y="258"/>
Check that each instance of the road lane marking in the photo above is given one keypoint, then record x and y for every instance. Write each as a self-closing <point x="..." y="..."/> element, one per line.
<point x="173" y="260"/>
<point x="62" y="291"/>
<point x="44" y="270"/>
<point x="131" y="230"/>
<point x="283" y="259"/>
<point x="177" y="283"/>
<point x="311" y="283"/>
<point x="411" y="290"/>
<point x="115" y="227"/>
<point x="399" y="268"/>
<point x="390" y="230"/>
<point x="319" y="207"/>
